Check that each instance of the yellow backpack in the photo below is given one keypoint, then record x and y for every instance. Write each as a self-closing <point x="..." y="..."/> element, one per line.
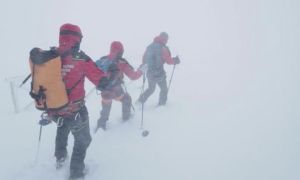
<point x="47" y="86"/>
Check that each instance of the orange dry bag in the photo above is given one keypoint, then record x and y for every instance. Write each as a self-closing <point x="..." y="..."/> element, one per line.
<point x="47" y="86"/>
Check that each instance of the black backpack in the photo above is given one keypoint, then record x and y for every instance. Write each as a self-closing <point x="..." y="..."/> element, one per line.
<point x="153" y="58"/>
<point x="111" y="67"/>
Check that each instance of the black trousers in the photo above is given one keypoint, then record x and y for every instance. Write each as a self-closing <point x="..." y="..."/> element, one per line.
<point x="117" y="93"/>
<point x="78" y="125"/>
<point x="162" y="83"/>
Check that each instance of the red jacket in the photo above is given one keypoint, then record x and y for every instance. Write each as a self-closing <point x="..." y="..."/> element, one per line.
<point x="74" y="71"/>
<point x="116" y="53"/>
<point x="128" y="70"/>
<point x="76" y="65"/>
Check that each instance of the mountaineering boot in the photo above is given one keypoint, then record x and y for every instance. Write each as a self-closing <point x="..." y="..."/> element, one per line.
<point x="76" y="178"/>
<point x="104" y="115"/>
<point x="60" y="162"/>
<point x="101" y="123"/>
<point x="126" y="107"/>
<point x="162" y="98"/>
<point x="76" y="175"/>
<point x="162" y="101"/>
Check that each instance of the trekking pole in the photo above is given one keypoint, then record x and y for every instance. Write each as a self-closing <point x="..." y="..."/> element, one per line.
<point x="143" y="86"/>
<point x="171" y="77"/>
<point x="90" y="92"/>
<point x="25" y="80"/>
<point x="145" y="132"/>
<point x="39" y="142"/>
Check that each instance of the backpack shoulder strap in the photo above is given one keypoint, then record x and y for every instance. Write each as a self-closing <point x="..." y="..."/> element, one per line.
<point x="124" y="61"/>
<point x="74" y="85"/>
<point x="81" y="56"/>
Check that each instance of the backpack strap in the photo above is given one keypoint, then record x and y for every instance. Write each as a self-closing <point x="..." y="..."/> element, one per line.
<point x="77" y="56"/>
<point x="124" y="61"/>
<point x="74" y="85"/>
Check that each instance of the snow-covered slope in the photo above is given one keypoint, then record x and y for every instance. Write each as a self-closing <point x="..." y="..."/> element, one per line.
<point x="233" y="109"/>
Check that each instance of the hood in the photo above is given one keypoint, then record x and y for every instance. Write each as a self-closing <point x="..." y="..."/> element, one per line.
<point x="69" y="37"/>
<point x="116" y="50"/>
<point x="161" y="40"/>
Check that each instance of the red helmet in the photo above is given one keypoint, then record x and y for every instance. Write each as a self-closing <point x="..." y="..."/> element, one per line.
<point x="69" y="35"/>
<point x="116" y="50"/>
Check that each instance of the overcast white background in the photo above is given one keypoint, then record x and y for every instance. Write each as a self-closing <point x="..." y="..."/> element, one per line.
<point x="233" y="109"/>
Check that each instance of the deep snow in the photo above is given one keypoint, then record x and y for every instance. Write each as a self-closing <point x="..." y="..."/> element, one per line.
<point x="233" y="109"/>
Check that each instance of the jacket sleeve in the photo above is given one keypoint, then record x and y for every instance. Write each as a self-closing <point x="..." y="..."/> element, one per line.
<point x="92" y="72"/>
<point x="166" y="56"/>
<point x="129" y="71"/>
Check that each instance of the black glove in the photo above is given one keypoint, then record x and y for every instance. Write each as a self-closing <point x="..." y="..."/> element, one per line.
<point x="176" y="60"/>
<point x="45" y="119"/>
<point x="44" y="122"/>
<point x="103" y="83"/>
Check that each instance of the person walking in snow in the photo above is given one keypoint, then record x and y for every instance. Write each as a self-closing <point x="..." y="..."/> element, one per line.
<point x="116" y="66"/>
<point x="76" y="65"/>
<point x="156" y="55"/>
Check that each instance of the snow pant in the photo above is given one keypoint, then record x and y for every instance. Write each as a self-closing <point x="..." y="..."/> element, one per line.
<point x="152" y="81"/>
<point x="117" y="93"/>
<point x="78" y="125"/>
